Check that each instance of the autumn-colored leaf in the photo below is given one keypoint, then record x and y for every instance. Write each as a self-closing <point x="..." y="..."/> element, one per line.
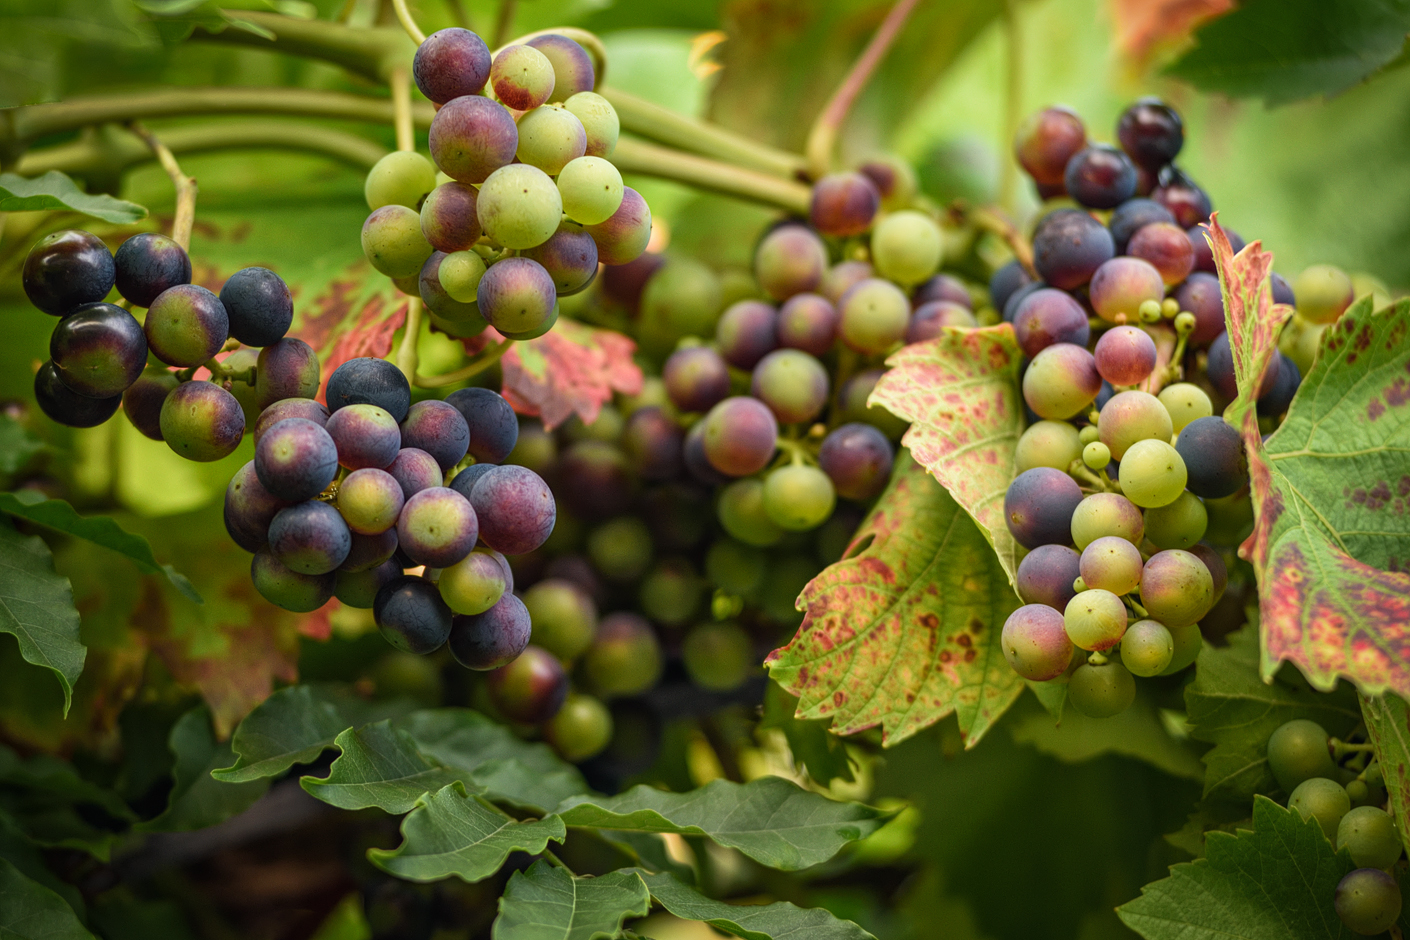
<point x="960" y="393"/>
<point x="571" y="369"/>
<point x="1143" y="27"/>
<point x="905" y="629"/>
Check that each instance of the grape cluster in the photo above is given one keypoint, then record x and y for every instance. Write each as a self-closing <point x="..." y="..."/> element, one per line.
<point x="1340" y="785"/>
<point x="525" y="205"/>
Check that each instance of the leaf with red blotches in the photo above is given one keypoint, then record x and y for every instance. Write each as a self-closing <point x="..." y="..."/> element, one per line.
<point x="1144" y="27"/>
<point x="905" y="629"/>
<point x="960" y="393"/>
<point x="571" y="369"/>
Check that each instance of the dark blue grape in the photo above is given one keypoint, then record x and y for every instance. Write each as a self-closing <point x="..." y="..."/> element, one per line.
<point x="857" y="458"/>
<point x="493" y="427"/>
<point x="491" y="639"/>
<point x="300" y="593"/>
<point x="1219" y="367"/>
<point x="66" y="406"/>
<point x="1277" y="399"/>
<point x="259" y="305"/>
<point x="1068" y="247"/>
<point x="464" y="481"/>
<point x="1016" y="299"/>
<point x="439" y="429"/>
<point x="1151" y="133"/>
<point x="1133" y="215"/>
<point x="249" y="509"/>
<point x="360" y="588"/>
<point x="411" y="615"/>
<point x="1007" y="279"/>
<point x="310" y="537"/>
<point x="296" y="459"/>
<point x="369" y="551"/>
<point x="1038" y="507"/>
<point x="1282" y="291"/>
<point x="372" y="382"/>
<point x="66" y="269"/>
<point x="1200" y="295"/>
<point x="99" y="350"/>
<point x="1215" y="463"/>
<point x="1046" y="574"/>
<point x="147" y="264"/>
<point x="1100" y="176"/>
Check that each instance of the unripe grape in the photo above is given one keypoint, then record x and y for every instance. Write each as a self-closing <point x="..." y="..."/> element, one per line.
<point x="1369" y="834"/>
<point x="519" y="206"/>
<point x="591" y="189"/>
<point x="290" y="590"/>
<point x="746" y="332"/>
<point x="671" y="592"/>
<point x="580" y="729"/>
<point x="1323" y="800"/>
<point x="1121" y="285"/>
<point x="393" y="241"/>
<point x="1096" y="455"/>
<point x="1047" y="444"/>
<point x="370" y="501"/>
<point x="1095" y="619"/>
<point x="681" y="299"/>
<point x="1088" y="434"/>
<point x="1101" y="691"/>
<point x="894" y="180"/>
<point x="798" y="497"/>
<point x="1152" y="473"/>
<point x="873" y="316"/>
<point x="531" y="688"/>
<point x="360" y="588"/>
<point x="1048" y="316"/>
<point x="1188" y="641"/>
<point x="459" y="273"/>
<point x="199" y="420"/>
<point x="624" y="236"/>
<point x="1035" y="643"/>
<point x="1038" y="507"/>
<point x="474" y="584"/>
<point x="742" y="513"/>
<point x="564" y="617"/>
<point x="854" y="407"/>
<point x="621" y="548"/>
<point x="1180" y="524"/>
<point x="1323" y="293"/>
<point x="792" y="383"/>
<point x="1147" y="648"/>
<point x="1186" y="403"/>
<point x="1176" y="588"/>
<point x="401" y="178"/>
<point x="790" y="260"/>
<point x="1112" y="564"/>
<point x="842" y="277"/>
<point x="1106" y="514"/>
<point x="1368" y="901"/>
<point x="551" y="137"/>
<point x="600" y="121"/>
<point x="807" y="322"/>
<point x="1045" y="576"/>
<point x="522" y="77"/>
<point x="1131" y="417"/>
<point x="624" y="658"/>
<point x="843" y="204"/>
<point x="740" y="435"/>
<point x="1061" y="381"/>
<point x="906" y="246"/>
<point x="572" y="66"/>
<point x="718" y="656"/>
<point x="1298" y="750"/>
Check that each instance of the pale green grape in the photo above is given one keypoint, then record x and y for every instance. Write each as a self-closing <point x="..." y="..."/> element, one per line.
<point x="599" y="119"/>
<point x="1178" y="525"/>
<point x="1104" y="514"/>
<point x="1323" y="800"/>
<point x="1369" y="834"/>
<point x="798" y="497"/>
<point x="401" y="178"/>
<point x="1096" y="455"/>
<point x="393" y="242"/>
<point x="460" y="274"/>
<point x="591" y="189"/>
<point x="1101" y="691"/>
<point x="519" y="206"/>
<point x="1188" y="641"/>
<point x="1047" y="444"/>
<point x="549" y="138"/>
<point x="1147" y="648"/>
<point x="1152" y="474"/>
<point x="1185" y="402"/>
<point x="1095" y="620"/>
<point x="1088" y="434"/>
<point x="742" y="513"/>
<point x="906" y="247"/>
<point x="1299" y="750"/>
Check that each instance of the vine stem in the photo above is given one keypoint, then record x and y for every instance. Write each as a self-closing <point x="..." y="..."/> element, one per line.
<point x="406" y="353"/>
<point x="407" y="23"/>
<point x="482" y="361"/>
<point x="1000" y="224"/>
<point x="185" y="216"/>
<point x="401" y="109"/>
<point x="1013" y="104"/>
<point x="822" y="137"/>
<point x="636" y="156"/>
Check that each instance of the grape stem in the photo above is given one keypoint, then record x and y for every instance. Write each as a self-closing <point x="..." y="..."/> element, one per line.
<point x="1341" y="749"/>
<point x="369" y="51"/>
<point x="407" y="23"/>
<point x="995" y="221"/>
<point x="822" y="136"/>
<point x="1136" y="608"/>
<point x="401" y="109"/>
<point x="636" y="156"/>
<point x="486" y="358"/>
<point x="797" y="452"/>
<point x="406" y="354"/>
<point x="185" y="215"/>
<point x="1079" y="470"/>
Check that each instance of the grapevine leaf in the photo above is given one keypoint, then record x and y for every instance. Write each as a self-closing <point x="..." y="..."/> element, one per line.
<point x="17" y="446"/>
<point x="379" y="766"/>
<point x="1388" y="724"/>
<point x="549" y="903"/>
<point x="1230" y="706"/>
<point x="1145" y="26"/>
<point x="36" y="606"/>
<point x="1283" y="50"/>
<point x="1137" y="732"/>
<point x="197" y="799"/>
<point x="905" y="629"/>
<point x="451" y="832"/>
<point x="100" y="530"/>
<point x="771" y="820"/>
<point x="33" y="912"/>
<point x="54" y="190"/>
<point x="812" y="745"/>
<point x="778" y="921"/>
<point x="1274" y="883"/>
<point x="571" y="369"/>
<point x="960" y="393"/>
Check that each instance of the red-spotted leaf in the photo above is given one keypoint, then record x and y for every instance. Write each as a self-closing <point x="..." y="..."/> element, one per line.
<point x="905" y="629"/>
<point x="960" y="393"/>
<point x="571" y="369"/>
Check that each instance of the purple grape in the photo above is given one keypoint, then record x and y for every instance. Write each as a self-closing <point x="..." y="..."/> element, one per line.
<point x="930" y="319"/>
<point x="1215" y="462"/>
<point x="1046" y="574"/>
<point x="1204" y="254"/>
<point x="857" y="458"/>
<point x="464" y="481"/>
<point x="471" y="137"/>
<point x="842" y="277"/>
<point x="531" y="688"/>
<point x="202" y="421"/>
<point x="793" y="384"/>
<point x="296" y="459"/>
<point x="1125" y="355"/>
<point x="1282" y="290"/>
<point x="370" y="501"/>
<point x="516" y="296"/>
<point x="290" y="590"/>
<point x="1035" y="643"/>
<point x="1007" y="280"/>
<point x="1201" y="295"/>
<point x="1049" y="316"/>
<point x="843" y="204"/>
<point x="1016" y="299"/>
<point x="415" y="470"/>
<point x="885" y="178"/>
<point x="807" y="322"/>
<point x="625" y="234"/>
<point x="492" y="639"/>
<point x="595" y="480"/>
<point x="310" y="537"/>
<point x="451" y="63"/>
<point x="1151" y="133"/>
<point x="942" y="287"/>
<point x="287" y="369"/>
<point x="366" y="436"/>
<point x="1187" y="202"/>
<point x="746" y="332"/>
<point x="290" y="408"/>
<point x="1132" y="216"/>
<point x="1219" y="368"/>
<point x="696" y="463"/>
<point x="623" y="284"/>
<point x="259" y="305"/>
<point x="1045" y="142"/>
<point x="1167" y="248"/>
<point x="572" y="66"/>
<point x="493" y="427"/>
<point x="439" y="429"/>
<point x="147" y="264"/>
<point x="1121" y="285"/>
<point x="654" y="444"/>
<point x="790" y="260"/>
<point x="449" y="217"/>
<point x="1279" y="396"/>
<point x="186" y="325"/>
<point x="99" y="350"/>
<point x="359" y="589"/>
<point x="1100" y="176"/>
<point x="370" y="381"/>
<point x="437" y="527"/>
<point x="411" y="615"/>
<point x="142" y="402"/>
<point x="740" y="436"/>
<point x="369" y="551"/>
<point x="249" y="509"/>
<point x="67" y="269"/>
<point x="1038" y="507"/>
<point x="516" y="509"/>
<point x="696" y="377"/>
<point x="569" y="256"/>
<point x="1068" y="247"/>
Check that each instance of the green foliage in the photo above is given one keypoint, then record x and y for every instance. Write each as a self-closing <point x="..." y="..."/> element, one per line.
<point x="197" y="799"/>
<point x="379" y="766"/>
<point x="54" y="190"/>
<point x="549" y="903"/>
<point x="1388" y="726"/>
<point x="752" y="922"/>
<point x="1137" y="732"/>
<point x="33" y="912"/>
<point x="36" y="607"/>
<point x="812" y="745"/>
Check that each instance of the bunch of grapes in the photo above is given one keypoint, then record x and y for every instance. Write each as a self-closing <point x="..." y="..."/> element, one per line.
<point x="525" y="205"/>
<point x="1124" y="466"/>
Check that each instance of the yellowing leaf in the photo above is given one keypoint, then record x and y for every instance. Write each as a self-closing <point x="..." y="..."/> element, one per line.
<point x="571" y="369"/>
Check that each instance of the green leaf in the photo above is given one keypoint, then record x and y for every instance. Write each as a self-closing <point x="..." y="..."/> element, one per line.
<point x="1388" y="725"/>
<point x="905" y="629"/>
<point x="778" y="921"/>
<point x="1274" y="883"/>
<point x="292" y="726"/>
<point x="1283" y="50"/>
<point x="100" y="530"/>
<point x="379" y="766"/>
<point x="1137" y="732"/>
<point x="54" y="190"/>
<point x="549" y="903"/>
<point x="814" y="747"/>
<point x="451" y="832"/>
<point x="1230" y="706"/>
<point x="32" y="912"/>
<point x="771" y="820"/>
<point x="197" y="799"/>
<point x="17" y="446"/>
<point x="36" y="606"/>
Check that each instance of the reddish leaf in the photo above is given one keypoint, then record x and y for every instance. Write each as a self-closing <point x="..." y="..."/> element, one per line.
<point x="572" y="369"/>
<point x="905" y="629"/>
<point x="1144" y="27"/>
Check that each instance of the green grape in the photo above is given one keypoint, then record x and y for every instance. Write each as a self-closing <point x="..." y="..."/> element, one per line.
<point x="579" y="729"/>
<point x="1368" y="901"/>
<point x="1152" y="474"/>
<point x="1111" y="564"/>
<point x="1230" y="519"/>
<point x="460" y="274"/>
<point x="718" y="656"/>
<point x="743" y="516"/>
<point x="1088" y="434"/>
<point x="599" y="119"/>
<point x="906" y="247"/>
<point x="798" y="497"/>
<point x="1323" y="800"/>
<point x="1176" y="587"/>
<point x="1147" y="648"/>
<point x="474" y="584"/>
<point x="1047" y="444"/>
<point x="671" y="592"/>
<point x="683" y="298"/>
<point x="1103" y="514"/>
<point x="1185" y="403"/>
<point x="550" y="137"/>
<point x="734" y="567"/>
<point x="873" y="316"/>
<point x="563" y="617"/>
<point x="607" y="428"/>
<point x="1188" y="641"/>
<point x="1096" y="455"/>
<point x="519" y="206"/>
<point x="621" y="548"/>
<point x="393" y="242"/>
<point x="1095" y="620"/>
<point x="1130" y="417"/>
<point x="405" y="675"/>
<point x="1323" y="293"/>
<point x="1101" y="691"/>
<point x="591" y="189"/>
<point x="1369" y="834"/>
<point x="625" y="657"/>
<point x="1298" y="750"/>
<point x="1178" y="525"/>
<point x="401" y="178"/>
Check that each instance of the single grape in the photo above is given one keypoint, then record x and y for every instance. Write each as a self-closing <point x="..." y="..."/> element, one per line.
<point x="1368" y="901"/>
<point x="516" y="509"/>
<point x="522" y="77"/>
<point x="742" y="513"/>
<point x="740" y="435"/>
<point x="1278" y="398"/>
<point x="857" y="458"/>
<point x="1045" y="576"/>
<point x="1046" y="141"/>
<point x="372" y="382"/>
<point x="550" y="137"/>
<point x="798" y="497"/>
<point x="697" y="377"/>
<point x="1069" y="246"/>
<point x="843" y="204"/>
<point x="1282" y="290"/>
<point x="1132" y="216"/>
<point x="1188" y="642"/>
<point x="622" y="285"/>
<point x="595" y="480"/>
<point x="1150" y="132"/>
<point x="1106" y="514"/>
<point x="290" y="590"/>
<point x="1101" y="691"/>
<point x="624" y="236"/>
<point x="450" y="217"/>
<point x="580" y="729"/>
<point x="654" y="444"/>
<point x="1038" y="507"/>
<point x="439" y="429"/>
<point x="621" y="548"/>
<point x="401" y="178"/>
<point x="790" y="260"/>
<point x="1178" y="525"/>
<point x="437" y="527"/>
<point x="1100" y="176"/>
<point x="1035" y="643"/>
<point x="451" y="63"/>
<point x="671" y="592"/>
<point x="99" y="350"/>
<point x="360" y="588"/>
<point x="411" y="615"/>
<point x="807" y="322"/>
<point x="142" y="402"/>
<point x="415" y="470"/>
<point x="1131" y="417"/>
<point x="493" y="637"/>
<point x="1214" y="458"/>
<point x="1111" y="563"/>
<point x="1049" y="316"/>
<point x="854" y="407"/>
<point x="186" y="325"/>
<point x="67" y="269"/>
<point x="1200" y="294"/>
<point x="1176" y="588"/>
<point x="1152" y="473"/>
<point x="519" y="206"/>
<point x="309" y="537"/>
<point x="1187" y="202"/>
<point x="147" y="264"/>
<point x="1125" y="355"/>
<point x="296" y="459"/>
<point x="599" y="120"/>
<point x="1121" y="285"/>
<point x="572" y="66"/>
<point x="930" y="320"/>
<point x="201" y="421"/>
<point x="1007" y="280"/>
<point x="393" y="242"/>
<point x="564" y="617"/>
<point x="1147" y="648"/>
<point x="1166" y="247"/>
<point x="1095" y="619"/>
<point x="370" y="501"/>
<point x="624" y="658"/>
<point x="369" y="551"/>
<point x="494" y="429"/>
<point x="1047" y="444"/>
<point x="1061" y="381"/>
<point x="906" y="246"/>
<point x="793" y="384"/>
<point x="1323" y="800"/>
<point x="1369" y="834"/>
<point x="287" y="369"/>
<point x="471" y="137"/>
<point x="718" y="656"/>
<point x="1299" y="750"/>
<point x="365" y="435"/>
<point x="1187" y="403"/>
<point x="682" y="299"/>
<point x="746" y="332"/>
<point x="873" y="316"/>
<point x="459" y="273"/>
<point x="591" y="189"/>
<point x="249" y="509"/>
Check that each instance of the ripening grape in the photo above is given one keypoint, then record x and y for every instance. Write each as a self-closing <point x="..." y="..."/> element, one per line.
<point x="671" y="592"/>
<point x="1181" y="524"/>
<point x="199" y="420"/>
<point x="1147" y="648"/>
<point x="1176" y="588"/>
<point x="718" y="656"/>
<point x="454" y="317"/>
<point x="564" y="617"/>
<point x="624" y="236"/>
<point x="1068" y="247"/>
<point x="1368" y="901"/>
<point x="99" y="350"/>
<point x="147" y="264"/>
<point x="1111" y="564"/>
<point x="1299" y="750"/>
<point x="287" y="369"/>
<point x="401" y="178"/>
<point x="1201" y="295"/>
<point x="1166" y="248"/>
<point x="906" y="246"/>
<point x="654" y="443"/>
<point x="451" y="63"/>
<point x="437" y="527"/>
<point x="1323" y="800"/>
<point x="522" y="77"/>
<point x="792" y="383"/>
<point x="858" y="459"/>
<point x="798" y="497"/>
<point x="873" y="316"/>
<point x="415" y="470"/>
<point x="742" y="514"/>
<point x="1101" y="691"/>
<point x="740" y="435"/>
<point x="365" y="435"/>
<point x="1152" y="473"/>
<point x="186" y="325"/>
<point x="1213" y="453"/>
<point x="249" y="509"/>
<point x="1130" y="417"/>
<point x="1324" y="292"/>
<point x="531" y="688"/>
<point x="1049" y="316"/>
<point x="1045" y="576"/>
<point x="943" y="287"/>
<point x="1125" y="355"/>
<point x="393" y="242"/>
<point x="854" y="407"/>
<point x="1095" y="619"/>
<point x="624" y="658"/>
<point x="930" y="319"/>
<point x="1186" y="403"/>
<point x="600" y="121"/>
<point x="790" y="260"/>
<point x="1369" y="834"/>
<point x="290" y="590"/>
<point x="1121" y="285"/>
<point x="1100" y="176"/>
<point x="580" y="729"/>
<point x="843" y="204"/>
<point x="1047" y="444"/>
<point x="807" y="322"/>
<point x="1106" y="514"/>
<point x="842" y="277"/>
<point x="591" y="189"/>
<point x="142" y="402"/>
<point x="550" y="137"/>
<point x="1187" y="202"/>
<point x="449" y="217"/>
<point x="746" y="332"/>
<point x="1035" y="643"/>
<point x="572" y="66"/>
<point x="519" y="206"/>
<point x="66" y="269"/>
<point x="471" y="137"/>
<point x="369" y="551"/>
<point x="894" y="180"/>
<point x="516" y="296"/>
<point x="437" y="428"/>
<point x="1045" y="142"/>
<point x="1061" y="381"/>
<point x="309" y="537"/>
<point x="594" y="477"/>
<point x="1132" y="216"/>
<point x="296" y="459"/>
<point x="370" y="501"/>
<point x="1038" y="507"/>
<point x="515" y="508"/>
<point x="696" y="377"/>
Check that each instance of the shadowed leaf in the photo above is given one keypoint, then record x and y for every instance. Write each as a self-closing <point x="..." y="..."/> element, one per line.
<point x="549" y="903"/>
<point x="197" y="799"/>
<point x="379" y="766"/>
<point x="778" y="921"/>
<point x="1388" y="724"/>
<point x="32" y="912"/>
<point x="36" y="606"/>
